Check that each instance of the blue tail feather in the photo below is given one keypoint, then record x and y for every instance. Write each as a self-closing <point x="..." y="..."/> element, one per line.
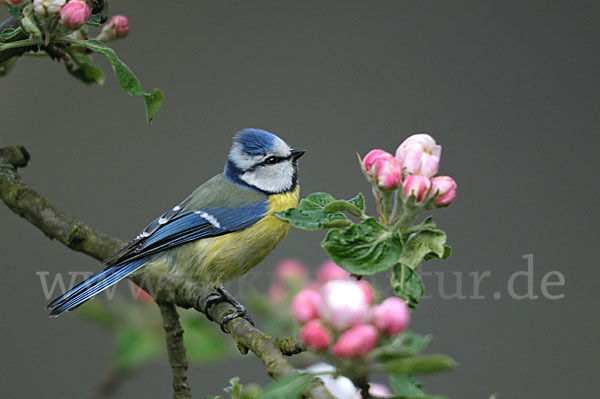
<point x="92" y="286"/>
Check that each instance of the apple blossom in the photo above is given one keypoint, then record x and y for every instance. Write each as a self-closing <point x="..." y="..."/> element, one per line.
<point x="443" y="188"/>
<point x="329" y="271"/>
<point x="315" y="335"/>
<point x="291" y="270"/>
<point x="47" y="8"/>
<point x="305" y="305"/>
<point x="116" y="28"/>
<point x="75" y="14"/>
<point x="388" y="173"/>
<point x="343" y="304"/>
<point x="391" y="316"/>
<point x="420" y="155"/>
<point x="355" y="342"/>
<point x="416" y="186"/>
<point x="371" y="157"/>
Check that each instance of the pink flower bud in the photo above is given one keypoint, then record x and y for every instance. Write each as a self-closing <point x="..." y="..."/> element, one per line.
<point x="315" y="335"/>
<point x="416" y="186"/>
<point x="75" y="14"/>
<point x="120" y="24"/>
<point x="370" y="158"/>
<point x="343" y="304"/>
<point x="116" y="28"/>
<point x="379" y="390"/>
<point x="391" y="316"/>
<point x="419" y="155"/>
<point x="277" y="292"/>
<point x="388" y="172"/>
<point x="11" y="2"/>
<point x="329" y="271"/>
<point x="141" y="295"/>
<point x="365" y="286"/>
<point x="47" y="8"/>
<point x="444" y="189"/>
<point x="305" y="305"/>
<point x="291" y="270"/>
<point x="357" y="341"/>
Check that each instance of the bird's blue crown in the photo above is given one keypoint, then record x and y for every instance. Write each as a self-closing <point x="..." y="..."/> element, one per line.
<point x="255" y="141"/>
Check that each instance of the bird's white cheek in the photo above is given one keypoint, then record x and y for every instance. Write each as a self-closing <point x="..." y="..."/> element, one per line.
<point x="273" y="178"/>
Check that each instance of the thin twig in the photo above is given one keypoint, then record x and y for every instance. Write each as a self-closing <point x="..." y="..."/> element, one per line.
<point x="109" y="383"/>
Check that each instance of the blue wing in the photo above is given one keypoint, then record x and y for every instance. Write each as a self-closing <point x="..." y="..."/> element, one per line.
<point x="173" y="228"/>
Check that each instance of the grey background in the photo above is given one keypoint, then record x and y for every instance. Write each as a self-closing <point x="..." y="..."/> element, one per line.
<point x="509" y="90"/>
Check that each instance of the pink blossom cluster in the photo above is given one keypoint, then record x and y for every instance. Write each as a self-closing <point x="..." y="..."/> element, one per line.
<point x="338" y="314"/>
<point x="73" y="14"/>
<point x="412" y="169"/>
<point x="291" y="276"/>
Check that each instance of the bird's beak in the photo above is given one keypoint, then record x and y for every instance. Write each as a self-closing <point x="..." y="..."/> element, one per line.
<point x="297" y="153"/>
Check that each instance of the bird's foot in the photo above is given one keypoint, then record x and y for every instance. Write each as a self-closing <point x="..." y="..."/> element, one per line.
<point x="223" y="295"/>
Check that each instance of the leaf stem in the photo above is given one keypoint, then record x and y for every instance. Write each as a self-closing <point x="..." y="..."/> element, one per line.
<point x="405" y="220"/>
<point x="19" y="43"/>
<point x="386" y="206"/>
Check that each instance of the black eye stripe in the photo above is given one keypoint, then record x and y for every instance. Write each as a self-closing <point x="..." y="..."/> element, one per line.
<point x="273" y="159"/>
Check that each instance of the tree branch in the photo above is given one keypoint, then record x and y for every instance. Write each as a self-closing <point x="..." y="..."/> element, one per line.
<point x="55" y="224"/>
<point x="176" y="351"/>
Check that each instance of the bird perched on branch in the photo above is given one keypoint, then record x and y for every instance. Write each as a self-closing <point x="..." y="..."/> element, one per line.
<point x="221" y="231"/>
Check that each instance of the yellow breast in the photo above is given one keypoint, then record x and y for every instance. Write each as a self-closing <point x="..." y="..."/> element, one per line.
<point x="218" y="259"/>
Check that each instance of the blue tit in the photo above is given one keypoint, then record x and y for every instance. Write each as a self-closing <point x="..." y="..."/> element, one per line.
<point x="220" y="232"/>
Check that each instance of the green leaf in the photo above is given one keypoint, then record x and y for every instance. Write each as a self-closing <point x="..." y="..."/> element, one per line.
<point x="87" y="73"/>
<point x="405" y="344"/>
<point x="288" y="387"/>
<point x="407" y="387"/>
<point x="28" y="22"/>
<point x="419" y="364"/>
<point x="136" y="346"/>
<point x="80" y="58"/>
<point x="407" y="284"/>
<point x="14" y="12"/>
<point x="423" y="243"/>
<point x="313" y="220"/>
<point x="364" y="248"/>
<point x="446" y="255"/>
<point x="7" y="66"/>
<point x="343" y="206"/>
<point x="129" y="83"/>
<point x="358" y="201"/>
<point x="234" y="388"/>
<point x="10" y="33"/>
<point x="202" y="343"/>
<point x="315" y="201"/>
<point x="94" y="20"/>
<point x="354" y="206"/>
<point x="311" y="214"/>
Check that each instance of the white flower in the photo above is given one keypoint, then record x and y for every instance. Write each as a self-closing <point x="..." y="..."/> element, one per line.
<point x="344" y="304"/>
<point x="47" y="8"/>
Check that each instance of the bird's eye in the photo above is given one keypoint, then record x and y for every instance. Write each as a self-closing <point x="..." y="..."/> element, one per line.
<point x="272" y="160"/>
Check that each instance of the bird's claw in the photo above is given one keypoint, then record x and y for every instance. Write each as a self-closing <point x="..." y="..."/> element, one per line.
<point x="239" y="312"/>
<point x="222" y="295"/>
<point x="210" y="301"/>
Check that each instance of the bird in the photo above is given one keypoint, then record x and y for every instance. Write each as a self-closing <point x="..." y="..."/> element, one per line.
<point x="221" y="231"/>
